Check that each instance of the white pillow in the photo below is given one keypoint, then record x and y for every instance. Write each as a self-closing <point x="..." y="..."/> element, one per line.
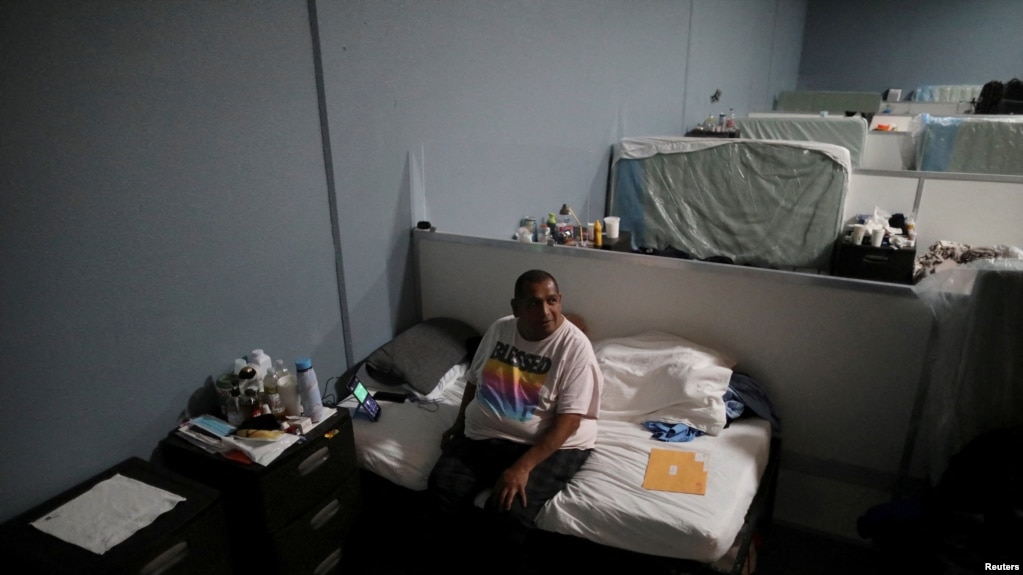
<point x="658" y="376"/>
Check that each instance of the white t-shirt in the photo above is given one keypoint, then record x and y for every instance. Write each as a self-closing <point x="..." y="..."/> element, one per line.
<point x="521" y="385"/>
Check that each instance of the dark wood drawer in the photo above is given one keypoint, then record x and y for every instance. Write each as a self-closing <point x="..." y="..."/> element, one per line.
<point x="309" y="540"/>
<point x="187" y="539"/>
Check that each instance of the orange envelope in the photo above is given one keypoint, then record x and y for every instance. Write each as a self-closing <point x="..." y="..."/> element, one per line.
<point x="678" y="471"/>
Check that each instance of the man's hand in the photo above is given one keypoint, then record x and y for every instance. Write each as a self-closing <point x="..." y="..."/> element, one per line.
<point x="511" y="484"/>
<point x="456" y="430"/>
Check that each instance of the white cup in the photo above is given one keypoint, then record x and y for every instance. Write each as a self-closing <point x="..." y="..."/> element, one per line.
<point x="876" y="235"/>
<point x="611" y="226"/>
<point x="859" y="230"/>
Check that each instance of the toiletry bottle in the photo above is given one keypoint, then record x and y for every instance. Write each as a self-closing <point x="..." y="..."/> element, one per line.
<point x="271" y="394"/>
<point x="598" y="235"/>
<point x="234" y="412"/>
<point x="287" y="387"/>
<point x="309" y="388"/>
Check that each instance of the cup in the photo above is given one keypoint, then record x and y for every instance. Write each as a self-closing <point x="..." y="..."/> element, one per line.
<point x="611" y="226"/>
<point x="876" y="236"/>
<point x="859" y="230"/>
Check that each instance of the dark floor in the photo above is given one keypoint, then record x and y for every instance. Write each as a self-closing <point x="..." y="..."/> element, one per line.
<point x="795" y="551"/>
<point x="385" y="543"/>
<point x="788" y="551"/>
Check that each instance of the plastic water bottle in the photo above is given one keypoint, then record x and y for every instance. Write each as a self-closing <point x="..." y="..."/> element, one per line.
<point x="309" y="388"/>
<point x="287" y="387"/>
<point x="271" y="396"/>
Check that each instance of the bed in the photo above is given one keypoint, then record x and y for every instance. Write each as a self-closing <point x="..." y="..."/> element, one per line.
<point x="605" y="504"/>
<point x="977" y="145"/>
<point x="764" y="203"/>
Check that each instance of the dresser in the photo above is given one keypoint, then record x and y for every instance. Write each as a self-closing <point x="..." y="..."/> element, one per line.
<point x="291" y="516"/>
<point x="189" y="538"/>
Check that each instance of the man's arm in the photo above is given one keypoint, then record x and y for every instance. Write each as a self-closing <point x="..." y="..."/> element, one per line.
<point x="458" y="428"/>
<point x="512" y="482"/>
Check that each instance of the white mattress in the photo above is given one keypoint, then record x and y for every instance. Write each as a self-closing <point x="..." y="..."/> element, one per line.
<point x="605" y="502"/>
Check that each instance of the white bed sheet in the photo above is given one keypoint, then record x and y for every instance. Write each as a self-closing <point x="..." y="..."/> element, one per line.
<point x="605" y="502"/>
<point x="403" y="445"/>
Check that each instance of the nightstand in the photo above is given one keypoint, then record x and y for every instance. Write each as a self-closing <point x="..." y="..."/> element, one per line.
<point x="291" y="516"/>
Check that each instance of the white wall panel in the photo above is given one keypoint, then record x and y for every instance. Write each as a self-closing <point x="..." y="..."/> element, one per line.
<point x="971" y="212"/>
<point x="840" y="358"/>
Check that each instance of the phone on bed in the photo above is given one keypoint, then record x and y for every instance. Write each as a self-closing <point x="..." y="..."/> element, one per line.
<point x="369" y="405"/>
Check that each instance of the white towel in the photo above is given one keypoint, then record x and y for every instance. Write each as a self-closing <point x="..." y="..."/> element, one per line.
<point x="107" y="514"/>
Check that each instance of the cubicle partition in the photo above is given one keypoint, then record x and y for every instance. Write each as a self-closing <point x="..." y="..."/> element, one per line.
<point x="974" y="209"/>
<point x="840" y="358"/>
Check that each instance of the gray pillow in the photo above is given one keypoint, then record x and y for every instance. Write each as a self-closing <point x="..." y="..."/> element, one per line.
<point x="422" y="354"/>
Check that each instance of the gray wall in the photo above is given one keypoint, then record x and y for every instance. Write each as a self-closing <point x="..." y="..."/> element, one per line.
<point x="872" y="45"/>
<point x="163" y="200"/>
<point x="474" y="114"/>
<point x="162" y="211"/>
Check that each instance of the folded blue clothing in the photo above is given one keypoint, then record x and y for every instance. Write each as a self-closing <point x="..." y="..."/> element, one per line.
<point x="743" y="391"/>
<point x="733" y="405"/>
<point x="749" y="392"/>
<point x="674" y="432"/>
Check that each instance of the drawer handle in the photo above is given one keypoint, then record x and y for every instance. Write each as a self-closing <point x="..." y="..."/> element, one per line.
<point x="328" y="564"/>
<point x="326" y="514"/>
<point x="314" y="461"/>
<point x="166" y="560"/>
<point x="873" y="259"/>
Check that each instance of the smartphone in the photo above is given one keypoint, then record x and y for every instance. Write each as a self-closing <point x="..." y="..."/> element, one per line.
<point x="392" y="396"/>
<point x="369" y="405"/>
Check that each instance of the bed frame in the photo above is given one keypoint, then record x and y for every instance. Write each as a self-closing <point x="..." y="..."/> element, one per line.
<point x="393" y="505"/>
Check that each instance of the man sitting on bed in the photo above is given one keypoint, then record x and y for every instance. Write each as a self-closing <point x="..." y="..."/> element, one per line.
<point x="528" y="418"/>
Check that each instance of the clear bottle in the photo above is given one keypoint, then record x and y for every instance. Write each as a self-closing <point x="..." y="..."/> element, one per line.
<point x="248" y="384"/>
<point x="271" y="395"/>
<point x="309" y="389"/>
<point x="234" y="412"/>
<point x="249" y="403"/>
<point x="287" y="388"/>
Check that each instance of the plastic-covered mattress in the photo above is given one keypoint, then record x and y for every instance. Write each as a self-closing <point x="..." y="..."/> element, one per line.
<point x="850" y="133"/>
<point x="947" y="93"/>
<point x="768" y="203"/>
<point x="981" y="145"/>
<point x="829" y="101"/>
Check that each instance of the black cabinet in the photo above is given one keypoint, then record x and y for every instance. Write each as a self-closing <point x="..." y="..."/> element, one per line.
<point x="291" y="516"/>
<point x="882" y="264"/>
<point x="187" y="539"/>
